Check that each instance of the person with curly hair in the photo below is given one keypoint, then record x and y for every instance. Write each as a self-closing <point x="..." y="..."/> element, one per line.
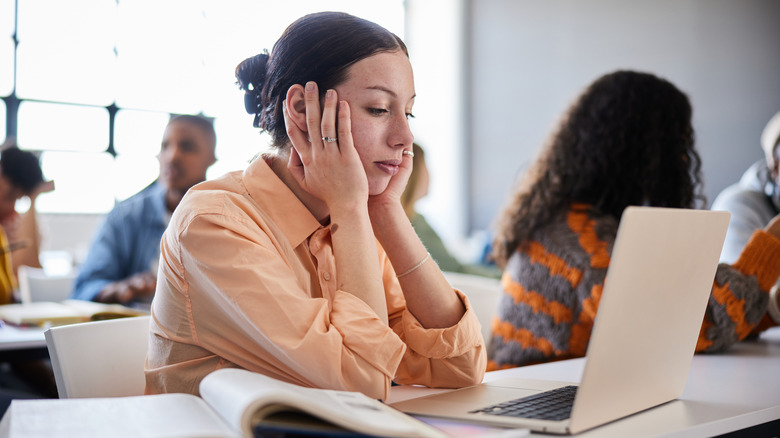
<point x="627" y="140"/>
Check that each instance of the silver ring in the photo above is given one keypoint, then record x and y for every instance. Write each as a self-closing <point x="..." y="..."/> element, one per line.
<point x="409" y="153"/>
<point x="330" y="139"/>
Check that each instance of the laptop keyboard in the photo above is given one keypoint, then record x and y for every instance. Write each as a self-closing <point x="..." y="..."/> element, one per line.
<point x="554" y="405"/>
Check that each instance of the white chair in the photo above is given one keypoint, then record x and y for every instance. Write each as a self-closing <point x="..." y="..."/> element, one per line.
<point x="100" y="358"/>
<point x="483" y="294"/>
<point x="36" y="285"/>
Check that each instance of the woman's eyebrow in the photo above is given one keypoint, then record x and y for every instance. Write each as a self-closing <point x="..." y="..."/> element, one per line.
<point x="386" y="90"/>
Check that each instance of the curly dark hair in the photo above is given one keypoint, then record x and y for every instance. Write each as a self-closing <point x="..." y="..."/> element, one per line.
<point x="627" y="140"/>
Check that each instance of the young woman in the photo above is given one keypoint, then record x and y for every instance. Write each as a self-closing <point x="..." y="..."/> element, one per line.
<point x="627" y="140"/>
<point x="304" y="266"/>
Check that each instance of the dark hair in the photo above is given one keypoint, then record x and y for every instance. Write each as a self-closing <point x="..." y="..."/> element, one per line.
<point x="206" y="124"/>
<point x="318" y="47"/>
<point x="627" y="140"/>
<point x="21" y="168"/>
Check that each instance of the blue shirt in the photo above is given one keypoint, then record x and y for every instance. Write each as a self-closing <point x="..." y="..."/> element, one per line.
<point x="127" y="243"/>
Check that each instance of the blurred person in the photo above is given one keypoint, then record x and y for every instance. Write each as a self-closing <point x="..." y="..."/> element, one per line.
<point x="755" y="199"/>
<point x="20" y="176"/>
<point x="416" y="189"/>
<point x="627" y="140"/>
<point x="753" y="202"/>
<point x="121" y="265"/>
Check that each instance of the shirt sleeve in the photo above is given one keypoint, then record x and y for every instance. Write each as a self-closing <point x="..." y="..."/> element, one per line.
<point x="247" y="303"/>
<point x="548" y="305"/>
<point x="749" y="210"/>
<point x="103" y="263"/>
<point x="448" y="357"/>
<point x="7" y="278"/>
<point x="739" y="297"/>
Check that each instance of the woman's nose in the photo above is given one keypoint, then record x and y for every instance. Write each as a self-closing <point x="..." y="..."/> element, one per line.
<point x="402" y="134"/>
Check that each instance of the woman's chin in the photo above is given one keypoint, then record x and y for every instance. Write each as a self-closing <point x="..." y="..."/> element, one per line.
<point x="377" y="187"/>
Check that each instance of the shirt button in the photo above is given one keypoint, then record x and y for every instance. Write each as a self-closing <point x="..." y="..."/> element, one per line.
<point x="326" y="276"/>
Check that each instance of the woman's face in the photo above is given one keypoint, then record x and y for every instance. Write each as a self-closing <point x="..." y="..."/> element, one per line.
<point x="380" y="93"/>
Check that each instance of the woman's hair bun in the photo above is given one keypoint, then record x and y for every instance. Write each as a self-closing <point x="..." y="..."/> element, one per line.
<point x="250" y="77"/>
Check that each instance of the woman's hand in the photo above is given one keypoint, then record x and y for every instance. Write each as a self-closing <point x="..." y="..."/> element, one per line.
<point x="330" y="170"/>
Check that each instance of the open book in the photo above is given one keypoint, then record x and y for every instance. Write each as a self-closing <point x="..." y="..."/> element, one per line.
<point x="40" y="313"/>
<point x="235" y="403"/>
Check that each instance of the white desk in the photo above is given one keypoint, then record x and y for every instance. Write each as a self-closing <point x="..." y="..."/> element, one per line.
<point x="21" y="338"/>
<point x="22" y="343"/>
<point x="14" y="338"/>
<point x="724" y="393"/>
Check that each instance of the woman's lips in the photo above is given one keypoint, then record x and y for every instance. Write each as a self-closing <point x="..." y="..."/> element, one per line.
<point x="391" y="167"/>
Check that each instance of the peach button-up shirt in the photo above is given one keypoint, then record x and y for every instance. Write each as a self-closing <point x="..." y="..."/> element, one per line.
<point x="247" y="279"/>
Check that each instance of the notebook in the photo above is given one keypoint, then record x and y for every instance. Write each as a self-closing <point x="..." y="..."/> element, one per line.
<point x="651" y="311"/>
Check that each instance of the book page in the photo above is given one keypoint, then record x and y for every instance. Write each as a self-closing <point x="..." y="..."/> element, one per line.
<point x="39" y="313"/>
<point x="243" y="398"/>
<point x="164" y="415"/>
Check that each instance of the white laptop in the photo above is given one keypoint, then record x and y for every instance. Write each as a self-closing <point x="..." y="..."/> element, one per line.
<point x="652" y="307"/>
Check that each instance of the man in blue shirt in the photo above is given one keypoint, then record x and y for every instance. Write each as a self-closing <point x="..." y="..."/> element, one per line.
<point x="121" y="266"/>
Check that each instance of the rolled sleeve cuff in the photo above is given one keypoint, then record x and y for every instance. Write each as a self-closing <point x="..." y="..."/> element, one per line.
<point x="761" y="257"/>
<point x="365" y="334"/>
<point x="443" y="343"/>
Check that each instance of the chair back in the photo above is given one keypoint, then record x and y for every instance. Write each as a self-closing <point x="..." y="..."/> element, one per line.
<point x="483" y="294"/>
<point x="99" y="358"/>
<point x="36" y="285"/>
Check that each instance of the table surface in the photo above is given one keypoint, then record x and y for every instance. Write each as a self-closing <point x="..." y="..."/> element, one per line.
<point x="21" y="338"/>
<point x="15" y="338"/>
<point x="724" y="392"/>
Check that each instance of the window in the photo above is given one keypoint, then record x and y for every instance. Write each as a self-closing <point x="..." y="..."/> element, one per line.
<point x="64" y="54"/>
<point x="93" y="92"/>
<point x="74" y="140"/>
<point x="2" y="117"/>
<point x="137" y="137"/>
<point x="7" y="14"/>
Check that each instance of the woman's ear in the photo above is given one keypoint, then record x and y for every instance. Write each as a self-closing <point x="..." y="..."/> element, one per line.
<point x="296" y="107"/>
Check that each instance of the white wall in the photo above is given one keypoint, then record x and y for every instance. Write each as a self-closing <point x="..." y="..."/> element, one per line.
<point x="529" y="59"/>
<point x="71" y="233"/>
<point x="492" y="77"/>
<point x="434" y="34"/>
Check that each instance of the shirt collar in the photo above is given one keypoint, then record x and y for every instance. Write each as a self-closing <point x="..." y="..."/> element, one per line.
<point x="277" y="200"/>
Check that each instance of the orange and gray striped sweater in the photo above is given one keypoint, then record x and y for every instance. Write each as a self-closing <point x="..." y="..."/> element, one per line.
<point x="552" y="288"/>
